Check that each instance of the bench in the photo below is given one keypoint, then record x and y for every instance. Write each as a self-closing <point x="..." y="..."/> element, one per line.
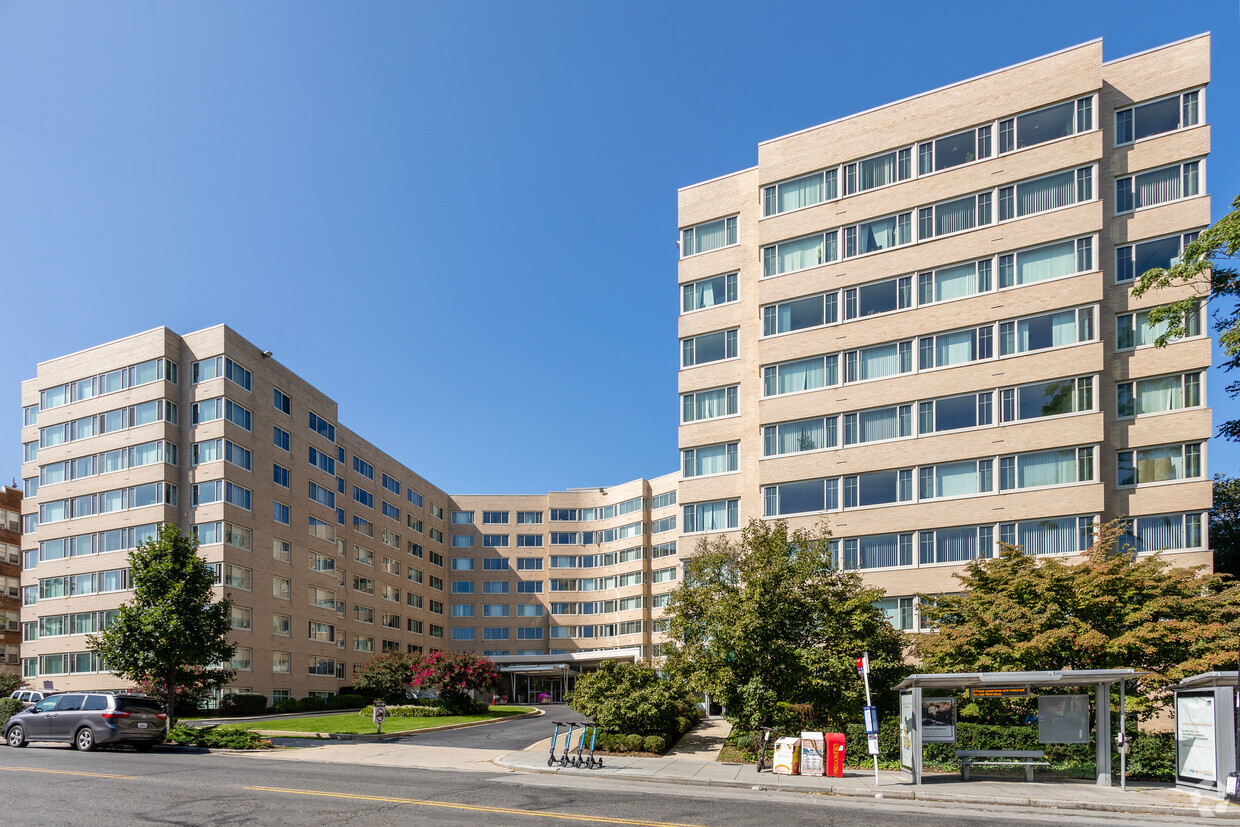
<point x="1001" y="757"/>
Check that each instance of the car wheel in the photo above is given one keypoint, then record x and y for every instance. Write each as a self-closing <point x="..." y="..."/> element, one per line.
<point x="85" y="739"/>
<point x="17" y="737"/>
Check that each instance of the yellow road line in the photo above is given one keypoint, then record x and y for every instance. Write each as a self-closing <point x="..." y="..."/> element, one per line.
<point x="475" y="808"/>
<point x="69" y="772"/>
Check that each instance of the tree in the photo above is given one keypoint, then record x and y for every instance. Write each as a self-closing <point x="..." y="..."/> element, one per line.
<point x="454" y="675"/>
<point x="1104" y="609"/>
<point x="771" y="619"/>
<point x="631" y="698"/>
<point x="172" y="627"/>
<point x="1225" y="525"/>
<point x="1201" y="268"/>
<point x="387" y="676"/>
<point x="9" y="681"/>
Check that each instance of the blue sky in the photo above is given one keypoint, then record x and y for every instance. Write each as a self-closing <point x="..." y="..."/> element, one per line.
<point x="458" y="220"/>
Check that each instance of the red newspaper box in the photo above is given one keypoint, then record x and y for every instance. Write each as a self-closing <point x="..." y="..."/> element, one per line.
<point x="835" y="754"/>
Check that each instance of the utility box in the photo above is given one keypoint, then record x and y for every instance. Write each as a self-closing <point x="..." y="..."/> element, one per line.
<point x="787" y="756"/>
<point x="835" y="754"/>
<point x="813" y="754"/>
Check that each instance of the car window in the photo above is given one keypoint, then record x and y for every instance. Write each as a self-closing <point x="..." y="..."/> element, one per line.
<point x="139" y="704"/>
<point x="68" y="703"/>
<point x="46" y="705"/>
<point x="96" y="702"/>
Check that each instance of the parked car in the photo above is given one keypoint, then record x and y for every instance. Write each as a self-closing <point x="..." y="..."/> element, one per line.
<point x="88" y="719"/>
<point x="29" y="697"/>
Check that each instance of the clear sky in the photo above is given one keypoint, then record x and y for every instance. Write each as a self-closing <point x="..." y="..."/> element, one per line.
<point x="456" y="219"/>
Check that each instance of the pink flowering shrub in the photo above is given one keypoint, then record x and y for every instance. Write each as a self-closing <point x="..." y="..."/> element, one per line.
<point x="454" y="675"/>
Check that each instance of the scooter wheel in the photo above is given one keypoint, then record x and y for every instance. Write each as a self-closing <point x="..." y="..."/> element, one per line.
<point x="551" y="762"/>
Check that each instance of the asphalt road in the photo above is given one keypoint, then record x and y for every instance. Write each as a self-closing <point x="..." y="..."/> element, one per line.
<point x="510" y="736"/>
<point x="55" y="785"/>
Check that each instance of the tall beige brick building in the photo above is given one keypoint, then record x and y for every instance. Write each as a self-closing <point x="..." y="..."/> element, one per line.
<point x="913" y="323"/>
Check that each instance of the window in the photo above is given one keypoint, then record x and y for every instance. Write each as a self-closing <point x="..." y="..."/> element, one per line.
<point x="880" y="234"/>
<point x="1159" y="394"/>
<point x="363" y="496"/>
<point x="954" y="282"/>
<point x="954" y="216"/>
<point x="1054" y="398"/>
<point x="414" y="497"/>
<point x="709" y="347"/>
<point x="1164" y="532"/>
<point x="878" y="488"/>
<point x="363" y="584"/>
<point x="800" y="253"/>
<point x="1046" y="124"/>
<point x="363" y="467"/>
<point x="280" y="512"/>
<point x="1136" y="330"/>
<point x="699" y="295"/>
<point x="1043" y="468"/>
<point x="1135" y="259"/>
<point x="279" y="475"/>
<point x="1049" y="536"/>
<point x="495" y="610"/>
<point x="1162" y="464"/>
<point x="390" y="511"/>
<point x="322" y="427"/>
<point x="463" y="564"/>
<point x="803" y="497"/>
<point x="321" y="460"/>
<point x="882" y="551"/>
<point x="462" y="587"/>
<point x="1064" y="258"/>
<point x="801" y="375"/>
<point x="529" y="541"/>
<point x="1158" y="186"/>
<point x="437" y="511"/>
<point x="1158" y="117"/>
<point x="282" y="550"/>
<point x="282" y="403"/>
<point x="710" y="459"/>
<point x="238" y="496"/>
<point x="709" y="404"/>
<point x="281" y="625"/>
<point x="281" y="588"/>
<point x="878" y="171"/>
<point x="280" y="437"/>
<point x="956" y="412"/>
<point x="462" y="541"/>
<point x="798" y="193"/>
<point x="529" y="517"/>
<point x="709" y="236"/>
<point x="495" y="587"/>
<point x="462" y="517"/>
<point x="1065" y="327"/>
<point x="956" y="479"/>
<point x="719" y="515"/>
<point x="460" y="633"/>
<point x="879" y="361"/>
<point x="800" y="314"/>
<point x="495" y="540"/>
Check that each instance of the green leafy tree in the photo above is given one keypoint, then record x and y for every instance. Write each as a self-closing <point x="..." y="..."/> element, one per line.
<point x="771" y="619"/>
<point x="1225" y="525"/>
<point x="172" y="627"/>
<point x="9" y="682"/>
<point x="631" y="698"/>
<point x="1104" y="609"/>
<point x="1205" y="270"/>
<point x="455" y="675"/>
<point x="387" y="676"/>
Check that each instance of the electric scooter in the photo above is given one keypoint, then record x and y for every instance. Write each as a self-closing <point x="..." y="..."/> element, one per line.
<point x="593" y="762"/>
<point x="568" y="740"/>
<point x="766" y="737"/>
<point x="581" y="745"/>
<point x="554" y="737"/>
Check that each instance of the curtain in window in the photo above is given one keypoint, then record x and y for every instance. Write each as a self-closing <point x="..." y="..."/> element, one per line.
<point x="1047" y="468"/>
<point x="955" y="282"/>
<point x="1160" y="464"/>
<point x="953" y="545"/>
<point x="1158" y="533"/>
<point x="953" y="348"/>
<point x="1045" y="193"/>
<point x="955" y="216"/>
<point x="1046" y="262"/>
<point x="801" y="376"/>
<point x="709" y="236"/>
<point x="1164" y="394"/>
<point x="801" y="436"/>
<point x="712" y="516"/>
<point x="1148" y="333"/>
<point x="881" y="424"/>
<point x="878" y="171"/>
<point x="880" y="551"/>
<point x="1157" y="187"/>
<point x="956" y="479"/>
<point x="878" y="235"/>
<point x="1063" y="328"/>
<point x="706" y="295"/>
<point x="710" y="403"/>
<point x="801" y="253"/>
<point x="711" y="460"/>
<point x="1048" y="536"/>
<point x="803" y="193"/>
<point x="877" y="362"/>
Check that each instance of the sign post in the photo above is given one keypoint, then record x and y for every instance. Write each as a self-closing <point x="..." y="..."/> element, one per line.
<point x="870" y="712"/>
<point x="379" y="713"/>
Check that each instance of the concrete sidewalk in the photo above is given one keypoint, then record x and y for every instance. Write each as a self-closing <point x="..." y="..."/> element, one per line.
<point x="1141" y="798"/>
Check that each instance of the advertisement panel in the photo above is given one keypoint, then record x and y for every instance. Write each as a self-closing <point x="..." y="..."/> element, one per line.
<point x="938" y="720"/>
<point x="1195" y="737"/>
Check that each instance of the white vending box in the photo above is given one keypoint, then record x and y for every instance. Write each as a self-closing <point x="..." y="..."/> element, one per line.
<point x="813" y="754"/>
<point x="787" y="756"/>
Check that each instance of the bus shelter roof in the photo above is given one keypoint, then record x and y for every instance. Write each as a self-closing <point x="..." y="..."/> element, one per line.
<point x="1060" y="677"/>
<point x="1207" y="679"/>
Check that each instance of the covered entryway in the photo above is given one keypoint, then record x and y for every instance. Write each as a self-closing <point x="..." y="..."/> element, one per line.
<point x="528" y="677"/>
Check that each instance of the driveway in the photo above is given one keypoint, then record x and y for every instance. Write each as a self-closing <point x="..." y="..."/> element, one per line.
<point x="505" y="735"/>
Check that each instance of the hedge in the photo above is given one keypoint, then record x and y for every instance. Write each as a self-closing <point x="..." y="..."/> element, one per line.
<point x="8" y="708"/>
<point x="243" y="703"/>
<point x="407" y="711"/>
<point x="318" y="704"/>
<point x="213" y="737"/>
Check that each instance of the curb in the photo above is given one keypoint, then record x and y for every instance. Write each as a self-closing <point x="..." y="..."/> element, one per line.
<point x="363" y="737"/>
<point x="934" y="796"/>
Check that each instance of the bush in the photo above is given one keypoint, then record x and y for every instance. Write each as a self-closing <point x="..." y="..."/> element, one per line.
<point x="8" y="708"/>
<point x="313" y="703"/>
<point x="654" y="743"/>
<point x="407" y="711"/>
<point x="243" y="703"/>
<point x="287" y="705"/>
<point x="454" y="675"/>
<point x="345" y="701"/>
<point x="632" y="698"/>
<point x="633" y="743"/>
<point x="216" y="738"/>
<point x="386" y="677"/>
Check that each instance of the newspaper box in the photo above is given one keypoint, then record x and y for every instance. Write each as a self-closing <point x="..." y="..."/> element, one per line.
<point x="835" y="754"/>
<point x="813" y="754"/>
<point x="787" y="756"/>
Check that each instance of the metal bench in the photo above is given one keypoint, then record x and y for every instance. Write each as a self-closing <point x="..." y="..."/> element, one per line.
<point x="995" y="757"/>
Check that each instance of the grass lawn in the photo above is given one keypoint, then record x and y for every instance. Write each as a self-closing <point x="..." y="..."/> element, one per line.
<point x="352" y="723"/>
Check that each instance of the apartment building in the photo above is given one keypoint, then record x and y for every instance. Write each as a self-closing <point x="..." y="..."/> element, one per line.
<point x="915" y="323"/>
<point x="10" y="578"/>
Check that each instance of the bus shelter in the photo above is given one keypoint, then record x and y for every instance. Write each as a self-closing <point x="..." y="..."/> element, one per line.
<point x="925" y="718"/>
<point x="1205" y="731"/>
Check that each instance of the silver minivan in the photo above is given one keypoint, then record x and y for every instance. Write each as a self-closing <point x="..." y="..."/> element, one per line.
<point x="87" y="719"/>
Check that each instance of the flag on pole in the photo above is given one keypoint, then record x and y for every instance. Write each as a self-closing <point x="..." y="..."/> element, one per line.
<point x="863" y="664"/>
